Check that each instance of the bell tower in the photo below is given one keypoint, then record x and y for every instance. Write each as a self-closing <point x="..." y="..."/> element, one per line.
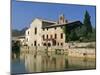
<point x="61" y="19"/>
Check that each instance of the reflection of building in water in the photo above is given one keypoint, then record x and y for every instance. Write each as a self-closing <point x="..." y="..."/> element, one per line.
<point x="42" y="63"/>
<point x="45" y="32"/>
<point x="29" y="63"/>
<point x="33" y="64"/>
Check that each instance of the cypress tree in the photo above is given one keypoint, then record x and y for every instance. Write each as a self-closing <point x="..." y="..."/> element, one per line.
<point x="87" y="23"/>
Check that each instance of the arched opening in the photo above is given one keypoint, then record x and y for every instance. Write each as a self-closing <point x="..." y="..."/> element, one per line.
<point x="44" y="44"/>
<point x="49" y="44"/>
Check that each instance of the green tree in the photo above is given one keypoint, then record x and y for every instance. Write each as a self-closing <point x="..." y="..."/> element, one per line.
<point x="84" y="32"/>
<point x="92" y="36"/>
<point x="67" y="32"/>
<point x="87" y="24"/>
<point x="73" y="36"/>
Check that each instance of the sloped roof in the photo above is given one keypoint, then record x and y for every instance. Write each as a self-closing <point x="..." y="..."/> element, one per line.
<point x="71" y="24"/>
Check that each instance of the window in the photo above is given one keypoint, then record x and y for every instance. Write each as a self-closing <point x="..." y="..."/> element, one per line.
<point x="61" y="35"/>
<point x="35" y="30"/>
<point x="58" y="44"/>
<point x="28" y="32"/>
<point x="44" y="44"/>
<point x="51" y="36"/>
<point x="43" y="37"/>
<point x="61" y="44"/>
<point x="55" y="36"/>
<point x="35" y="43"/>
<point x="47" y="28"/>
<point x="47" y="36"/>
<point x="49" y="44"/>
<point x="55" y="28"/>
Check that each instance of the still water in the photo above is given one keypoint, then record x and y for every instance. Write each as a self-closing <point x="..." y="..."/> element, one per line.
<point x="42" y="62"/>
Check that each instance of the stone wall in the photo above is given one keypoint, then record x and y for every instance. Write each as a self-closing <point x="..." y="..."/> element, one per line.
<point x="53" y="31"/>
<point x="70" y="51"/>
<point x="82" y="52"/>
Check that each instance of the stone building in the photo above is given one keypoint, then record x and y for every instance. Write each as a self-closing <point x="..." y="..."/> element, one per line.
<point x="48" y="33"/>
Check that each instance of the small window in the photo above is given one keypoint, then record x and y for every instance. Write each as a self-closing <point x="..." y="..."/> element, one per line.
<point x="43" y="37"/>
<point x="47" y="36"/>
<point x="35" y="43"/>
<point x="28" y="32"/>
<point x="35" y="30"/>
<point x="61" y="44"/>
<point x="61" y="35"/>
<point x="51" y="36"/>
<point x="44" y="44"/>
<point x="55" y="36"/>
<point x="58" y="44"/>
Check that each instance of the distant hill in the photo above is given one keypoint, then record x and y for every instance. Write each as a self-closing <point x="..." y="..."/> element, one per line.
<point x="16" y="32"/>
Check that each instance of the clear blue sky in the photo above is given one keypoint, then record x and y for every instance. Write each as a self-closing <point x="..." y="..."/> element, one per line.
<point x="24" y="12"/>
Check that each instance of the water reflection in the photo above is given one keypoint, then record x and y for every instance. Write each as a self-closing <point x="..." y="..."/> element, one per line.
<point x="43" y="62"/>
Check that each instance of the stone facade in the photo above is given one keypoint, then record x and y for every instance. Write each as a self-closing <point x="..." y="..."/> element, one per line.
<point x="48" y="33"/>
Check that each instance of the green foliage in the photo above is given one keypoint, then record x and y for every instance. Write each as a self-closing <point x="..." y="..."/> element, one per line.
<point x="67" y="32"/>
<point x="73" y="36"/>
<point x="92" y="36"/>
<point x="87" y="23"/>
<point x="83" y="33"/>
